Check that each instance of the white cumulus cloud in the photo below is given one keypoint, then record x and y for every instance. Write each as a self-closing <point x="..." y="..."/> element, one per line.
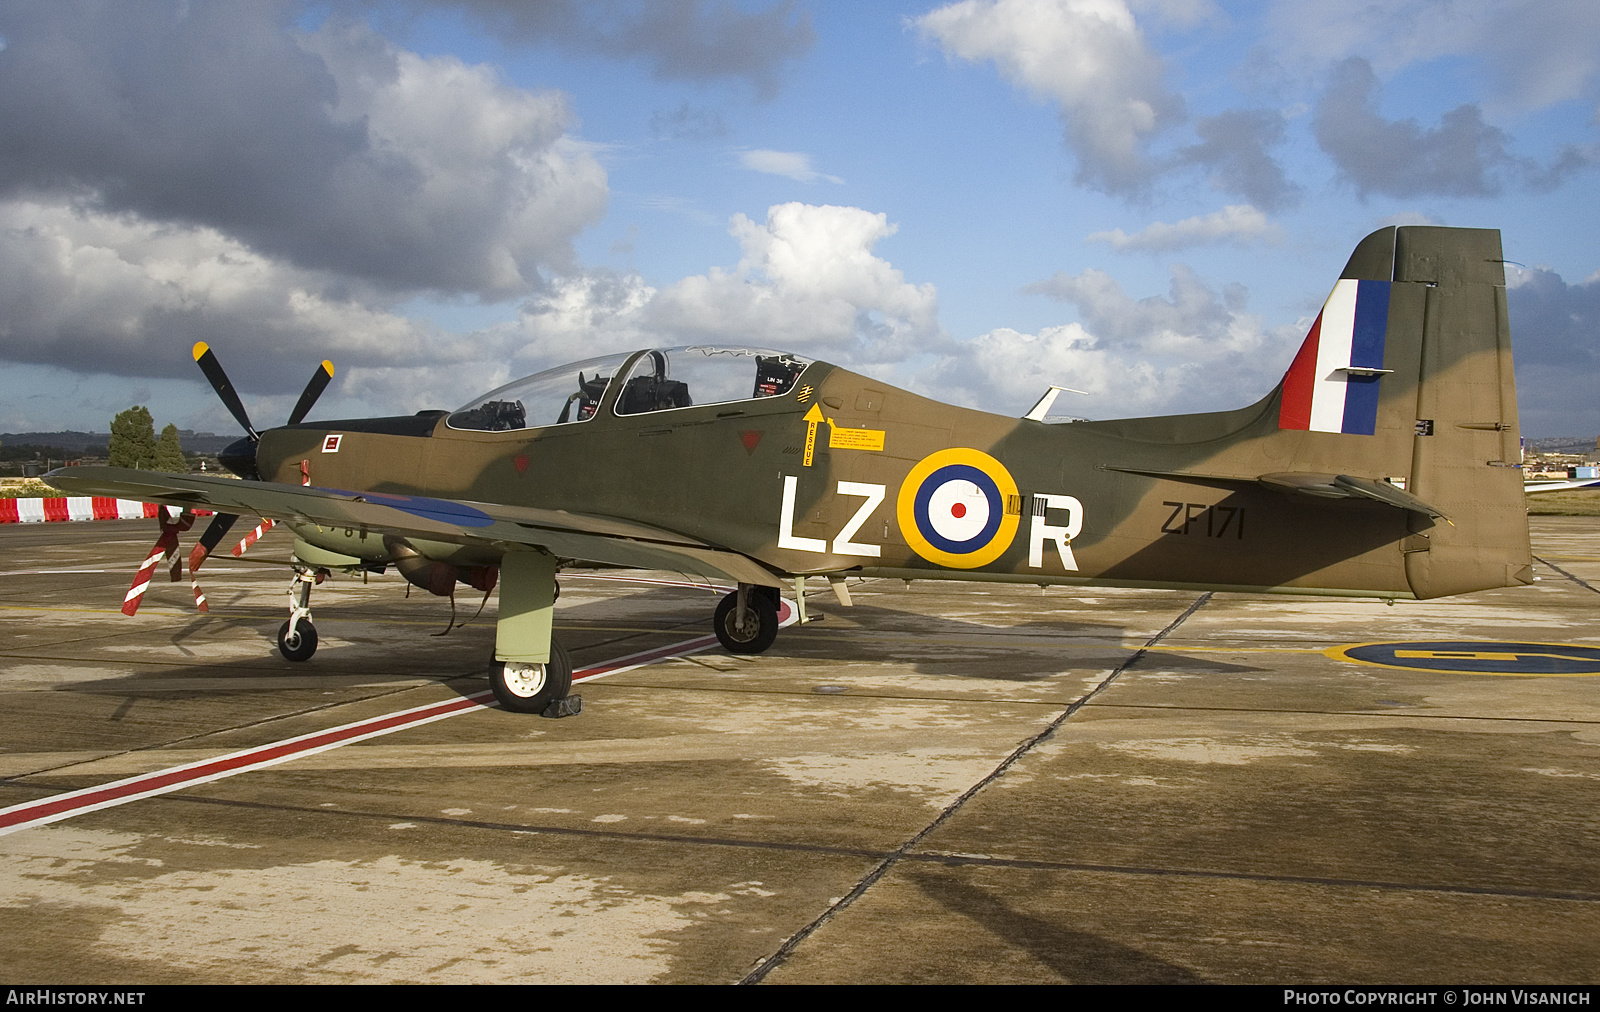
<point x="807" y="280"/>
<point x="1089" y="58"/>
<point x="1239" y="224"/>
<point x="1194" y="349"/>
<point x="794" y="164"/>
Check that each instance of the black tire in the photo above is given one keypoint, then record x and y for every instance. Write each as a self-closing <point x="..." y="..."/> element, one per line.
<point x="302" y="645"/>
<point x="761" y="622"/>
<point x="523" y="691"/>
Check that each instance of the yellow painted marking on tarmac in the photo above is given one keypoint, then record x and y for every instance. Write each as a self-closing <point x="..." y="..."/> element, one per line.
<point x="1234" y="650"/>
<point x="1340" y="653"/>
<point x="812" y="418"/>
<point x="1465" y="655"/>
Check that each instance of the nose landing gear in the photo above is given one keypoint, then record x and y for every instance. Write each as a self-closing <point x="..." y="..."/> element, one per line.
<point x="297" y="638"/>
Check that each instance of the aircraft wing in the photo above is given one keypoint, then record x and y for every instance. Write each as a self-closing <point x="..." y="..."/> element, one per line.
<point x="1535" y="487"/>
<point x="591" y="538"/>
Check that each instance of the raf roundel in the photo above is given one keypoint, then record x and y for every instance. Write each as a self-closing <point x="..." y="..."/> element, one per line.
<point x="952" y="508"/>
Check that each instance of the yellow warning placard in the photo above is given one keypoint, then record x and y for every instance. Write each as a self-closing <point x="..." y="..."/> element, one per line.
<point x="854" y="439"/>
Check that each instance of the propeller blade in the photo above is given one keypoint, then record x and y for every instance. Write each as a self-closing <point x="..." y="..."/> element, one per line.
<point x="207" y="360"/>
<point x="319" y="383"/>
<point x="167" y="544"/>
<point x="214" y="533"/>
<point x="249" y="539"/>
<point x="166" y="548"/>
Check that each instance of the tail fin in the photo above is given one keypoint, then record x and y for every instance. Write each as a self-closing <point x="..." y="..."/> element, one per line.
<point x="1413" y="350"/>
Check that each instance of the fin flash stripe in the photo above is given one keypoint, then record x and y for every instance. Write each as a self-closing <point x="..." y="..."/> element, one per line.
<point x="1326" y="388"/>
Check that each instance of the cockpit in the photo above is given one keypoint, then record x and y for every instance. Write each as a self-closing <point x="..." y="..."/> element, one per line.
<point x="656" y="380"/>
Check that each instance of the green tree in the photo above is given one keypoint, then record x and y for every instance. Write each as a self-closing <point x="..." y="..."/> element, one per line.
<point x="169" y="454"/>
<point x="133" y="439"/>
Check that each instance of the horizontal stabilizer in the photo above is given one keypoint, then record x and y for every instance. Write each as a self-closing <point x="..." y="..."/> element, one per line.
<point x="1321" y="486"/>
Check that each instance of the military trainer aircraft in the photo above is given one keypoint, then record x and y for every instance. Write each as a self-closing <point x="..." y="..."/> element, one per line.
<point x="1385" y="464"/>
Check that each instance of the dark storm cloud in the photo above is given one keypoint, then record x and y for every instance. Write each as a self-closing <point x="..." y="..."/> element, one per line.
<point x="1233" y="146"/>
<point x="1462" y="157"/>
<point x="198" y="116"/>
<point x="682" y="40"/>
<point x="332" y="150"/>
<point x="94" y="292"/>
<point x="1554" y="327"/>
<point x="1555" y="323"/>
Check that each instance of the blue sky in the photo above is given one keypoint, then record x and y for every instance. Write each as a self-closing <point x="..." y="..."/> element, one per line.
<point x="1144" y="200"/>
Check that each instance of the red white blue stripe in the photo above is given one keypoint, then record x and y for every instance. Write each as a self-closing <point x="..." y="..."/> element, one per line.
<point x="1332" y="386"/>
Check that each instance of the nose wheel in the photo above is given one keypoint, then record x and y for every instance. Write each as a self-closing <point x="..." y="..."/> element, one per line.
<point x="297" y="638"/>
<point x="297" y="641"/>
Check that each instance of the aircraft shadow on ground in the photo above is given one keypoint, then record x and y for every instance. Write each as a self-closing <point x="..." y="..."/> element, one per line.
<point x="1075" y="956"/>
<point x="1034" y="650"/>
<point x="1029" y="651"/>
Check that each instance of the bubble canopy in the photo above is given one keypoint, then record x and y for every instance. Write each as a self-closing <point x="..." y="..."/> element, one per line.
<point x="658" y="380"/>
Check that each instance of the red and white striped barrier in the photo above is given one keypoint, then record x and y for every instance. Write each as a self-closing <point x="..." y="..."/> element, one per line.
<point x="54" y="509"/>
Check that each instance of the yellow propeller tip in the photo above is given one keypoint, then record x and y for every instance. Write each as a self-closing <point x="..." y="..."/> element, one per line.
<point x="200" y="348"/>
<point x="328" y="366"/>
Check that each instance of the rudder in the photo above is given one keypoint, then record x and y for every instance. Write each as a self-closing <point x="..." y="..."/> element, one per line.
<point x="1446" y="375"/>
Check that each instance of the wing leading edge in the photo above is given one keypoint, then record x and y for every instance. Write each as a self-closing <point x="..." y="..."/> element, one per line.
<point x="598" y="539"/>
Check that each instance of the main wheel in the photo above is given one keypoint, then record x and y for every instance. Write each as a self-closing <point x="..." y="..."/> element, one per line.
<point x="300" y="645"/>
<point x="760" y="626"/>
<point x="529" y="687"/>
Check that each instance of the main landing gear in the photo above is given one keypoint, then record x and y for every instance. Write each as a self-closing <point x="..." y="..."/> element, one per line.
<point x="530" y="673"/>
<point x="746" y="621"/>
<point x="532" y="687"/>
<point x="297" y="638"/>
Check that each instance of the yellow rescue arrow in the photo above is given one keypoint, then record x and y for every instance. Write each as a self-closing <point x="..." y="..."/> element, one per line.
<point x="812" y="418"/>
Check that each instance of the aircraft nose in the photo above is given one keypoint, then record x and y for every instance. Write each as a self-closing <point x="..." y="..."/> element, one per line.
<point x="240" y="458"/>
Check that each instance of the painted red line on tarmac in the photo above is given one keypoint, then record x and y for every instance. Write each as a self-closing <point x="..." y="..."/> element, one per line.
<point x="64" y="806"/>
<point x="120" y="792"/>
<point x="643" y="657"/>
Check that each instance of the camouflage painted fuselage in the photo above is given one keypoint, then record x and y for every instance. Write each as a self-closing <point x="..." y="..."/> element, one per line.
<point x="844" y="474"/>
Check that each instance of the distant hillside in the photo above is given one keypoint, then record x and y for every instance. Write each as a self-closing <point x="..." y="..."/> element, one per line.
<point x="1582" y="445"/>
<point x="95" y="443"/>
